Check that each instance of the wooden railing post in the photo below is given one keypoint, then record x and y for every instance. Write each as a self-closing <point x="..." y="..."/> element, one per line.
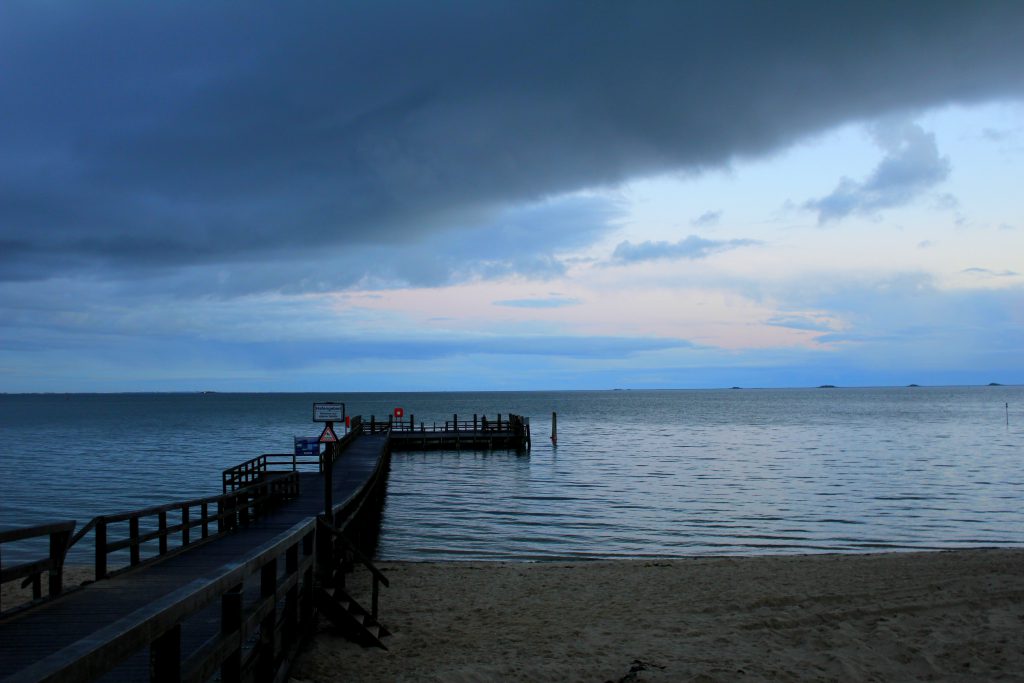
<point x="162" y="516"/>
<point x="133" y="536"/>
<point x="307" y="613"/>
<point x="58" y="548"/>
<point x="101" y="548"/>
<point x="165" y="657"/>
<point x="268" y="625"/>
<point x="204" y="511"/>
<point x="230" y="625"/>
<point x="290" y="629"/>
<point x="186" y="536"/>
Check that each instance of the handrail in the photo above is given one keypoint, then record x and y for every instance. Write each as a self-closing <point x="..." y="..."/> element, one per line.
<point x="159" y="622"/>
<point x="253" y="469"/>
<point x="238" y="507"/>
<point x="9" y="535"/>
<point x="254" y="636"/>
<point x="59" y="533"/>
<point x="513" y="430"/>
<point x="508" y="424"/>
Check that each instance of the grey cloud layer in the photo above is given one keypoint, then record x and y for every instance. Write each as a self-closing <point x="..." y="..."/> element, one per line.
<point x="912" y="165"/>
<point x="691" y="247"/>
<point x="140" y="136"/>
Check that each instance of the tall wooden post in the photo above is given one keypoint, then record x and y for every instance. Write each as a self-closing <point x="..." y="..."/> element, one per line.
<point x="554" y="429"/>
<point x="329" y="480"/>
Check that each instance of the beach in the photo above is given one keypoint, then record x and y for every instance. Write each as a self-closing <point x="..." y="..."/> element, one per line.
<point x="13" y="594"/>
<point x="950" y="615"/>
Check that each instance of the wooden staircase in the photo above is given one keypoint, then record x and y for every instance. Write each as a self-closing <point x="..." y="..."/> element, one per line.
<point x="335" y="602"/>
<point x="351" y="618"/>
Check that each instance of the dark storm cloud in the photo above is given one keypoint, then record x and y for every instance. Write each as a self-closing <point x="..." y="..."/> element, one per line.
<point x="147" y="135"/>
<point x="692" y="247"/>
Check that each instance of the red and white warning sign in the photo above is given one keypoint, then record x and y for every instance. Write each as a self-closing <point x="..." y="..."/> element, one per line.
<point x="328" y="435"/>
<point x="399" y="412"/>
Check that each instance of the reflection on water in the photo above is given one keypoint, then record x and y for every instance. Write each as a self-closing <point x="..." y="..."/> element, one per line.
<point x="698" y="472"/>
<point x="636" y="473"/>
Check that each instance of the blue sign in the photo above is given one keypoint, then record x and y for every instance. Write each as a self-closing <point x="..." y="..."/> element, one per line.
<point x="307" y="446"/>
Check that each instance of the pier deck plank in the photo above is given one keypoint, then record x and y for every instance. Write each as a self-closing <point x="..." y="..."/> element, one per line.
<point x="37" y="633"/>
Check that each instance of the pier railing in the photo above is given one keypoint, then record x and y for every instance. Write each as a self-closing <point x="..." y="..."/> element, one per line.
<point x="266" y="606"/>
<point x="256" y="469"/>
<point x="479" y="423"/>
<point x="511" y="430"/>
<point x="59" y="534"/>
<point x="171" y="526"/>
<point x="250" y="488"/>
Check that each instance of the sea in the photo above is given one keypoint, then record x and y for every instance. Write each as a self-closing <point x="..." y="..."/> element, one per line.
<point x="637" y="474"/>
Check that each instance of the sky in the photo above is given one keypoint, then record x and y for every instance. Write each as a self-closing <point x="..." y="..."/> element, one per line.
<point x="411" y="196"/>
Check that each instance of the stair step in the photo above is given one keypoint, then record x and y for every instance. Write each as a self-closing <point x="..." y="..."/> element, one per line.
<point x="352" y="619"/>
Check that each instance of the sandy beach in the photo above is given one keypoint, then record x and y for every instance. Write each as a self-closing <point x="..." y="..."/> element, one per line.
<point x="939" y="616"/>
<point x="956" y="615"/>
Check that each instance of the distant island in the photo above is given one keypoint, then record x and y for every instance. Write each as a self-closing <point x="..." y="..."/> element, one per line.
<point x="994" y="384"/>
<point x="913" y="385"/>
<point x="827" y="386"/>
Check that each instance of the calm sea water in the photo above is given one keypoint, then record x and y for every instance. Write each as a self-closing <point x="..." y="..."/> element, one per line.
<point x="635" y="473"/>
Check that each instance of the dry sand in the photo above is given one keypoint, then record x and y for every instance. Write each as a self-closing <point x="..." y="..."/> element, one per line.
<point x="14" y="595"/>
<point x="887" y="617"/>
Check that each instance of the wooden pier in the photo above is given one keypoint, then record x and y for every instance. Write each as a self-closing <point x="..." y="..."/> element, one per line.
<point x="511" y="432"/>
<point x="233" y="586"/>
<point x="226" y="587"/>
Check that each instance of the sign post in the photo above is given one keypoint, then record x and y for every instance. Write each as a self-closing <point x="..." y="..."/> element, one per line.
<point x="329" y="438"/>
<point x="329" y="411"/>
